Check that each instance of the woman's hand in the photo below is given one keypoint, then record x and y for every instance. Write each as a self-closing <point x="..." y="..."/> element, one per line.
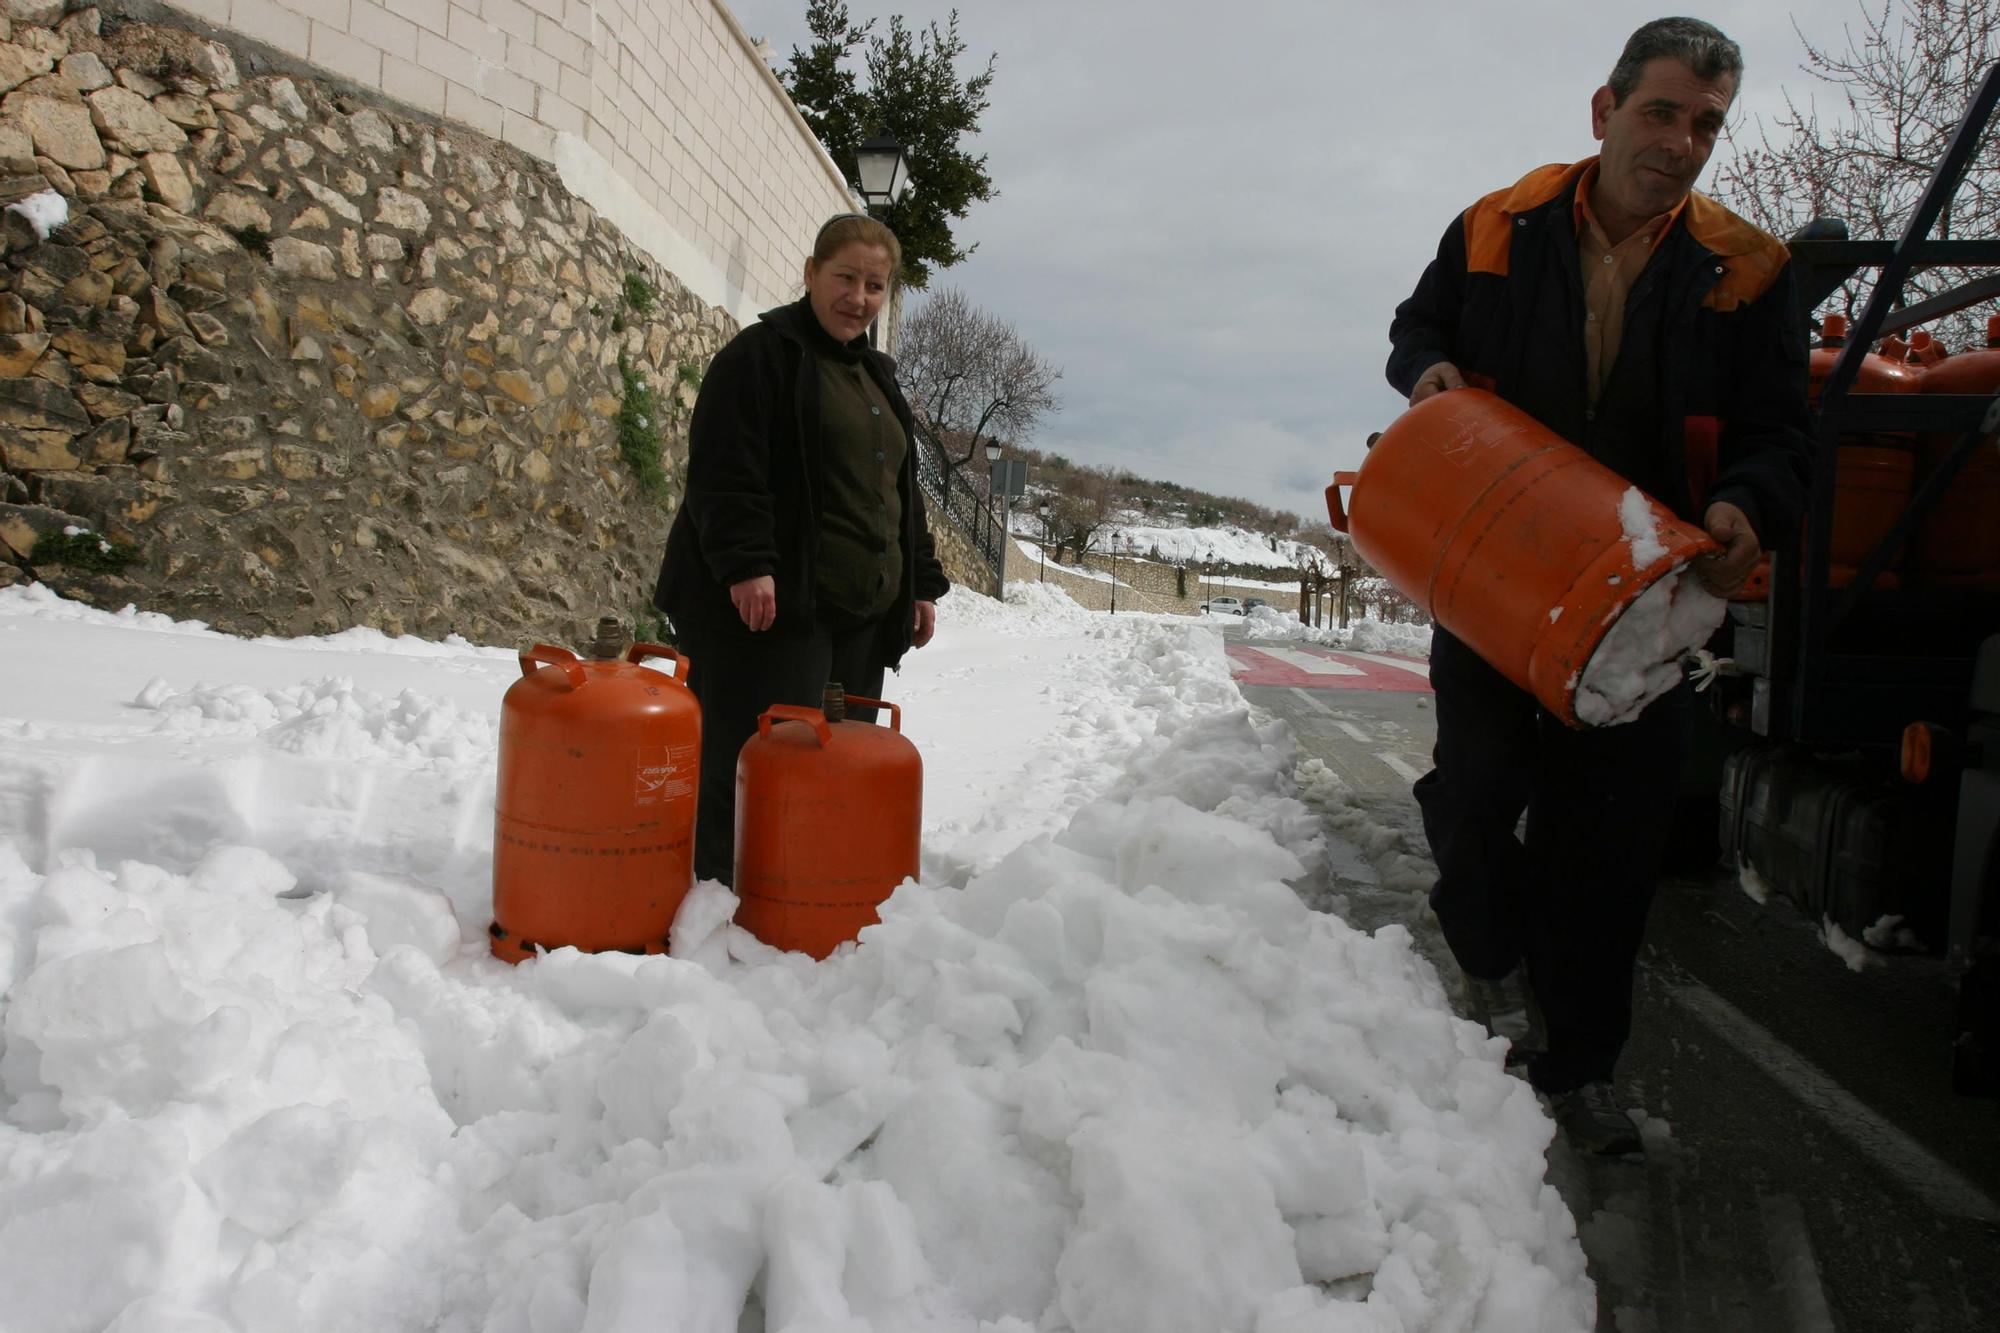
<point x="756" y="601"/>
<point x="926" y="624"/>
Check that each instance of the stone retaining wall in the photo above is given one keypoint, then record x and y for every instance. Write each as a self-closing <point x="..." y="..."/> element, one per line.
<point x="963" y="564"/>
<point x="1158" y="586"/>
<point x="310" y="360"/>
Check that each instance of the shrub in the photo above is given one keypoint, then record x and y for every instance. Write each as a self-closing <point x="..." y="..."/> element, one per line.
<point x="639" y="429"/>
<point x="79" y="548"/>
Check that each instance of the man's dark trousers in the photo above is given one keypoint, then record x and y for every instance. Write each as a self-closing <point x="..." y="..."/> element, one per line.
<point x="737" y="675"/>
<point x="1571" y="900"/>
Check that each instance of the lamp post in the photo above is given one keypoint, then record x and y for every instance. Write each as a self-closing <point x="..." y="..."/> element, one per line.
<point x="884" y="167"/>
<point x="1117" y="540"/>
<point x="993" y="485"/>
<point x="1208" y="577"/>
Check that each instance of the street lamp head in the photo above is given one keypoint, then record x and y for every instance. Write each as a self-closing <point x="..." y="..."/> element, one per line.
<point x="885" y="170"/>
<point x="993" y="451"/>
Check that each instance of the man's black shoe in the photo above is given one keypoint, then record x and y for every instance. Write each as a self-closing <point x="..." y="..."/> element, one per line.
<point x="1596" y="1122"/>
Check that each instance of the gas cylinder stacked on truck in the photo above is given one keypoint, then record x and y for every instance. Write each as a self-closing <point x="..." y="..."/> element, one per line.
<point x="594" y="809"/>
<point x="1958" y="543"/>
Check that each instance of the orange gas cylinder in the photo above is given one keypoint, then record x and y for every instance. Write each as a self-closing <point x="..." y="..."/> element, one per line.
<point x="1507" y="534"/>
<point x="1877" y="373"/>
<point x="829" y="820"/>
<point x="1925" y="351"/>
<point x="1871" y="489"/>
<point x="1872" y="472"/>
<point x="593" y="842"/>
<point x="1959" y="542"/>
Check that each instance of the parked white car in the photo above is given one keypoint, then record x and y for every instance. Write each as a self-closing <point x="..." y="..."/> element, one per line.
<point x="1224" y="606"/>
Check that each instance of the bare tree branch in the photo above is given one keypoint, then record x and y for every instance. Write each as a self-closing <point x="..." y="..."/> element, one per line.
<point x="973" y="376"/>
<point x="1901" y="77"/>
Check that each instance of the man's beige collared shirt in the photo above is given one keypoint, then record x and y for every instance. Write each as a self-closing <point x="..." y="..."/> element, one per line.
<point x="1608" y="273"/>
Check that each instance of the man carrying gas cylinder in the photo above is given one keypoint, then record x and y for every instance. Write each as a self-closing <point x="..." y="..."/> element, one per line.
<point x="1662" y="334"/>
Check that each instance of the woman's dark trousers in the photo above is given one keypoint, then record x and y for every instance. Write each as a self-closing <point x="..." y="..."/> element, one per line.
<point x="737" y="675"/>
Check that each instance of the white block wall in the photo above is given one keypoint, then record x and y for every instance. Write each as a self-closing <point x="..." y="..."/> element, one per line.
<point x="659" y="112"/>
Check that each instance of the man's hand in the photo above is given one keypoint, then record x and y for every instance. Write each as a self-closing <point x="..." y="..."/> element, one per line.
<point x="756" y="601"/>
<point x="1722" y="572"/>
<point x="926" y="624"/>
<point x="1440" y="377"/>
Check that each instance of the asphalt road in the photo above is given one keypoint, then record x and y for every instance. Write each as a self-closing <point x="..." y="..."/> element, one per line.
<point x="1808" y="1166"/>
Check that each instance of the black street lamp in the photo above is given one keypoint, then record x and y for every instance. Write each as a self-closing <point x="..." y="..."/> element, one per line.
<point x="884" y="167"/>
<point x="1116" y="541"/>
<point x="997" y="492"/>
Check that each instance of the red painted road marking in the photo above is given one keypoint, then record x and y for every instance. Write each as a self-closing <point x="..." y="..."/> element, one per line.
<point x="1346" y="671"/>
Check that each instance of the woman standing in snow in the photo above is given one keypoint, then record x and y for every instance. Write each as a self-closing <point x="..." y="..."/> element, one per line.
<point x="800" y="553"/>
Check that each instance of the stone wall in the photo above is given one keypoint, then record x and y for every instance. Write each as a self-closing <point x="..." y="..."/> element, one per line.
<point x="961" y="559"/>
<point x="661" y="113"/>
<point x="308" y="359"/>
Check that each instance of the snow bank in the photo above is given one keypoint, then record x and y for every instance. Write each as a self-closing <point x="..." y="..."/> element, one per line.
<point x="1364" y="636"/>
<point x="1114" y="1076"/>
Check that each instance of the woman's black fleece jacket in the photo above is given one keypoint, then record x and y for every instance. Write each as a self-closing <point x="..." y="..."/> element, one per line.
<point x="753" y="485"/>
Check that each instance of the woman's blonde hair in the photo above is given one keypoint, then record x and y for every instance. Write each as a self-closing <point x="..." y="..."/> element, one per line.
<point x="844" y="229"/>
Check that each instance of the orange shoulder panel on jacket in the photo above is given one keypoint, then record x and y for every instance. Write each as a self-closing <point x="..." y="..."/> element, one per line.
<point x="1489" y="224"/>
<point x="1751" y="257"/>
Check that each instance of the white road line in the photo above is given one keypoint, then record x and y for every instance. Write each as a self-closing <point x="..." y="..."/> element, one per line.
<point x="1789" y="1242"/>
<point x="1310" y="663"/>
<point x="1414" y="668"/>
<point x="1926" y="1175"/>
<point x="1403" y="770"/>
<point x="1353" y="731"/>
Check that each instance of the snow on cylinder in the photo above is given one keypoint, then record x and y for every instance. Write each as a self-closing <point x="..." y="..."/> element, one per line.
<point x="1639" y="659"/>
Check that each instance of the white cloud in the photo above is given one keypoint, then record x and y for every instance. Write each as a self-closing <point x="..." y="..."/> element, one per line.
<point x="1207" y="214"/>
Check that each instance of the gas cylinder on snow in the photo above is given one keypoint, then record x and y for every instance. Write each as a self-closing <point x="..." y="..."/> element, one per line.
<point x="593" y="841"/>
<point x="829" y="820"/>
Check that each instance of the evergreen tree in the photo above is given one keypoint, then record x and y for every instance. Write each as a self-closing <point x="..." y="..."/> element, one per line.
<point x="914" y="93"/>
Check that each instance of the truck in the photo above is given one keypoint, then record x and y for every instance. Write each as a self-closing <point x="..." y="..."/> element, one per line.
<point x="1855" y="736"/>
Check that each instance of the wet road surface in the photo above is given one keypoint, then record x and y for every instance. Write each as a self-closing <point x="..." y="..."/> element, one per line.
<point x="1808" y="1166"/>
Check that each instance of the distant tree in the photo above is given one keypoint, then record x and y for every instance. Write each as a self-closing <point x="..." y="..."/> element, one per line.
<point x="1900" y="82"/>
<point x="1316" y="553"/>
<point x="913" y="92"/>
<point x="1078" y="513"/>
<point x="972" y="376"/>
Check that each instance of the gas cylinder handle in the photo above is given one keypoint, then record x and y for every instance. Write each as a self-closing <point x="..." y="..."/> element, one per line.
<point x="1336" y="512"/>
<point x="895" y="712"/>
<point x="544" y="654"/>
<point x="812" y="717"/>
<point x="642" y="650"/>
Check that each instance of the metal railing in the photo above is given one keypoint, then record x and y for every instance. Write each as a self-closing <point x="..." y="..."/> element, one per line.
<point x="948" y="491"/>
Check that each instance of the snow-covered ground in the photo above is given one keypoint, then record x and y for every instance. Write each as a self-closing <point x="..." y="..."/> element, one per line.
<point x="1100" y="1071"/>
<point x="1362" y="635"/>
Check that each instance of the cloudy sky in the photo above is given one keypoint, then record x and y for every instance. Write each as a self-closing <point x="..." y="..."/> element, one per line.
<point x="1208" y="212"/>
